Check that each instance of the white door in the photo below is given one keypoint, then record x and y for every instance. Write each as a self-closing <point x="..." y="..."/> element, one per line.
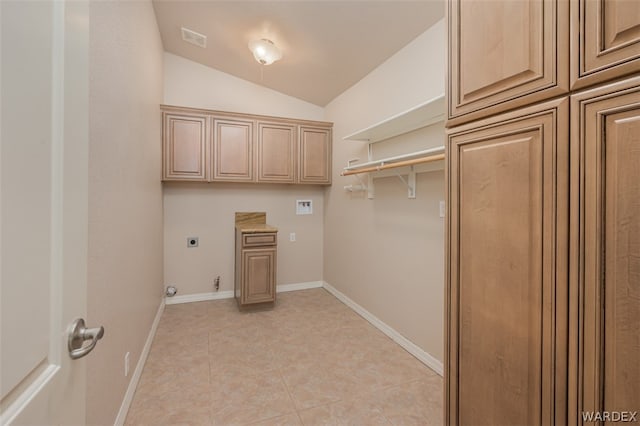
<point x="43" y="208"/>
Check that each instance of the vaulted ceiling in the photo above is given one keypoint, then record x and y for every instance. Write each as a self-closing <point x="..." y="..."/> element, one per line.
<point x="327" y="45"/>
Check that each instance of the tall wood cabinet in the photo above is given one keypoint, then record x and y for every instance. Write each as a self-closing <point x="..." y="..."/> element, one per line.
<point x="507" y="282"/>
<point x="505" y="54"/>
<point x="606" y="38"/>
<point x="605" y="248"/>
<point x="217" y="146"/>
<point x="543" y="218"/>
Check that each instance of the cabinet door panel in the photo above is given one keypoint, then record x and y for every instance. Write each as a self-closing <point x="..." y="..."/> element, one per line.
<point x="606" y="34"/>
<point x="233" y="150"/>
<point x="505" y="54"/>
<point x="185" y="147"/>
<point x="607" y="133"/>
<point x="505" y="294"/>
<point x="315" y="155"/>
<point x="276" y="152"/>
<point x="259" y="275"/>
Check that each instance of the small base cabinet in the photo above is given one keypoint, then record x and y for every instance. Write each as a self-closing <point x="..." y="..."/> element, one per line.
<point x="255" y="269"/>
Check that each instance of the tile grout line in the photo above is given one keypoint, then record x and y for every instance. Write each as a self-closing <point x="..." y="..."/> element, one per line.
<point x="210" y="378"/>
<point x="286" y="387"/>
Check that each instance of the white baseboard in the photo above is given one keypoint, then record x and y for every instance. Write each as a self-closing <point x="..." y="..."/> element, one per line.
<point x="201" y="297"/>
<point x="282" y="288"/>
<point x="423" y="356"/>
<point x="135" y="378"/>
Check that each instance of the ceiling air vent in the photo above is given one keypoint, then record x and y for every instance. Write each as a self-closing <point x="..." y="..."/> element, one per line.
<point x="193" y="37"/>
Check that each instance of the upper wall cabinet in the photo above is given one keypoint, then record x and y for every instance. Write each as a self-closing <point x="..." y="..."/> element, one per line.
<point x="315" y="155"/>
<point x="276" y="152"/>
<point x="607" y="36"/>
<point x="505" y="54"/>
<point x="184" y="147"/>
<point x="215" y="146"/>
<point x="233" y="150"/>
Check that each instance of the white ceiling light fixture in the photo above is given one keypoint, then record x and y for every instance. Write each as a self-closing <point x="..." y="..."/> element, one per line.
<point x="265" y="51"/>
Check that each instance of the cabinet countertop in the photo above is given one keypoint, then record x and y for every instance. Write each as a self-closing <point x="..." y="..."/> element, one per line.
<point x="252" y="228"/>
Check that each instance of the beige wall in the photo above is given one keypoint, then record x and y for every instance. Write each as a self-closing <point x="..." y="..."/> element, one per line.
<point x="125" y="195"/>
<point x="387" y="254"/>
<point x="188" y="83"/>
<point x="207" y="211"/>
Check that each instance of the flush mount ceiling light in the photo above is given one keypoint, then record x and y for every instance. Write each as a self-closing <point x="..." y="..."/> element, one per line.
<point x="265" y="51"/>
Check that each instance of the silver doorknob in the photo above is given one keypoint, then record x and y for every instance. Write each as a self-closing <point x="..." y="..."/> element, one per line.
<point x="78" y="334"/>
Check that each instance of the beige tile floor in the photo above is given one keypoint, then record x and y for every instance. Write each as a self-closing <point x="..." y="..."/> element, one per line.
<point x="309" y="361"/>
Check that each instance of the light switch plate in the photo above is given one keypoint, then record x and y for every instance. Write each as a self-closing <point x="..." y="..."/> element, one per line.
<point x="442" y="209"/>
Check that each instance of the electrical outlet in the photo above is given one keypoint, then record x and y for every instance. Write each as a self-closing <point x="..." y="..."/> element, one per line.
<point x="292" y="237"/>
<point x="126" y="364"/>
<point x="442" y="209"/>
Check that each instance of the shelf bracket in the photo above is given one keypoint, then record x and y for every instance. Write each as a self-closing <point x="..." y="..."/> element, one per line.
<point x="371" y="189"/>
<point x="410" y="182"/>
<point x="361" y="186"/>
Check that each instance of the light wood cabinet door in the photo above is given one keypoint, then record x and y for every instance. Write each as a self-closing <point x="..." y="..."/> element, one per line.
<point x="606" y="39"/>
<point x="314" y="155"/>
<point x="232" y="150"/>
<point x="605" y="273"/>
<point x="506" y="296"/>
<point x="258" y="275"/>
<point x="255" y="268"/>
<point x="184" y="141"/>
<point x="505" y="54"/>
<point x="276" y="152"/>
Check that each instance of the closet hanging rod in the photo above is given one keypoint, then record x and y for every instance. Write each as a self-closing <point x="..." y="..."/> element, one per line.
<point x="382" y="166"/>
<point x="410" y="156"/>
